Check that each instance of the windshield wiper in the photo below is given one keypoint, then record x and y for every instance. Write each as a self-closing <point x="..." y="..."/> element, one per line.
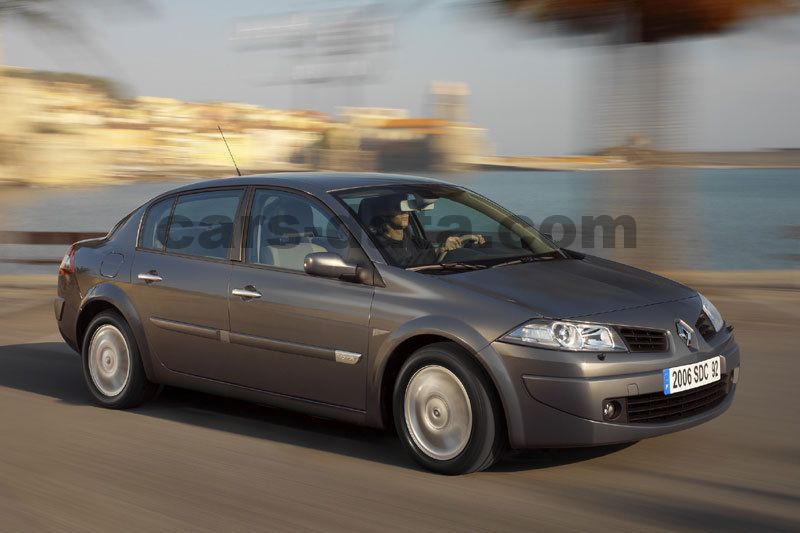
<point x="545" y="256"/>
<point x="455" y="265"/>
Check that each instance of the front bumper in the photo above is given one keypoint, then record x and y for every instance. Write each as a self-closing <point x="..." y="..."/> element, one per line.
<point x="557" y="398"/>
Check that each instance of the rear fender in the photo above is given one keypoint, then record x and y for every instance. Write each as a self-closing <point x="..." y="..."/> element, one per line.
<point x="112" y="293"/>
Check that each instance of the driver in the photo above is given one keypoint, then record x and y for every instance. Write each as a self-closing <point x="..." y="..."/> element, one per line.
<point x="405" y="249"/>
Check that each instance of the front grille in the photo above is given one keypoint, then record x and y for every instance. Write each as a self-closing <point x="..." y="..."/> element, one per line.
<point x="644" y="340"/>
<point x="705" y="327"/>
<point x="656" y="407"/>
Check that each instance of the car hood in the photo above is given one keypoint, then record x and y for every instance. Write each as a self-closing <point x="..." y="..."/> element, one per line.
<point x="573" y="287"/>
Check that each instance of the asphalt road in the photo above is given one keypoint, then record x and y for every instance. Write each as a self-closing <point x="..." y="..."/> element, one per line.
<point x="190" y="461"/>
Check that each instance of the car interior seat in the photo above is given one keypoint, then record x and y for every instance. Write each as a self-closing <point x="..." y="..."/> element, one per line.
<point x="287" y="234"/>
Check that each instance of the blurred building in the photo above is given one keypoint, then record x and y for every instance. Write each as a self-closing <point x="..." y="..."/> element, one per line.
<point x="62" y="128"/>
<point x="450" y="101"/>
<point x="50" y="127"/>
<point x="464" y="145"/>
<point x="68" y="128"/>
<point x="397" y="141"/>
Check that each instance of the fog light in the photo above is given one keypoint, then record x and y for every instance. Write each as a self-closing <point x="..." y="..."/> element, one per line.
<point x="611" y="409"/>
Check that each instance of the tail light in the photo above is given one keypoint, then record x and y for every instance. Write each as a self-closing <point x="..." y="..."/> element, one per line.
<point x="67" y="265"/>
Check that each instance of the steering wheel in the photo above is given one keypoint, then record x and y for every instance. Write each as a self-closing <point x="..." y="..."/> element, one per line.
<point x="471" y="242"/>
<point x="465" y="244"/>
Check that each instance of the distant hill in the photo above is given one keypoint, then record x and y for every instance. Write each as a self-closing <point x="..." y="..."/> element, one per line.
<point x="111" y="88"/>
<point x="648" y="157"/>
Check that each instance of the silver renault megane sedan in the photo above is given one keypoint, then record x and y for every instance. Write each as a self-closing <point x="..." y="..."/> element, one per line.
<point x="391" y="301"/>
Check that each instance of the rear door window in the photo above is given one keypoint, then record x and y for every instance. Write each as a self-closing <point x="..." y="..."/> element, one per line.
<point x="202" y="223"/>
<point x="154" y="228"/>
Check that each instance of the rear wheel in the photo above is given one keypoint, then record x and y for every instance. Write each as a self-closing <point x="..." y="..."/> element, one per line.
<point x="112" y="367"/>
<point x="445" y="411"/>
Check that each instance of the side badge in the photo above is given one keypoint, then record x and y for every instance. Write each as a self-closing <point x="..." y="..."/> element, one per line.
<point x="348" y="358"/>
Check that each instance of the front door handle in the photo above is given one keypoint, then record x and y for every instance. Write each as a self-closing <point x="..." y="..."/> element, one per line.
<point x="247" y="293"/>
<point x="150" y="277"/>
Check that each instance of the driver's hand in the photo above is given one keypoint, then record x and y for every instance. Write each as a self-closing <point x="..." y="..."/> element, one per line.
<point x="476" y="238"/>
<point x="451" y="243"/>
<point x="454" y="241"/>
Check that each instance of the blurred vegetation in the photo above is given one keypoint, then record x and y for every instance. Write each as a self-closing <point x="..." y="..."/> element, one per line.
<point x="55" y="16"/>
<point x="644" y="21"/>
<point x="60" y="18"/>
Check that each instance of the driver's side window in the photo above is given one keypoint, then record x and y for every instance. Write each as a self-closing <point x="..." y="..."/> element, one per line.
<point x="284" y="227"/>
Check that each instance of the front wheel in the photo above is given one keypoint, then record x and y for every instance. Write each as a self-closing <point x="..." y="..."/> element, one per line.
<point x="112" y="367"/>
<point x="445" y="411"/>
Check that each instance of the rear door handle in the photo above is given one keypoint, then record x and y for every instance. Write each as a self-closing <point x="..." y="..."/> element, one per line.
<point x="150" y="277"/>
<point x="247" y="293"/>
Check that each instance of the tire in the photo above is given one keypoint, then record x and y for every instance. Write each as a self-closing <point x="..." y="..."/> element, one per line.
<point x="446" y="411"/>
<point x="112" y="366"/>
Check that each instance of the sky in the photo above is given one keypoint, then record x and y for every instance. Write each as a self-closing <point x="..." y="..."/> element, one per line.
<point x="535" y="94"/>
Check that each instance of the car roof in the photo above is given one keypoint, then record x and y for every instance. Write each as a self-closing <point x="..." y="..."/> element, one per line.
<point x="312" y="182"/>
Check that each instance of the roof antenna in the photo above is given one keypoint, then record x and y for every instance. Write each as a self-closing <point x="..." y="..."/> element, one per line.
<point x="229" y="150"/>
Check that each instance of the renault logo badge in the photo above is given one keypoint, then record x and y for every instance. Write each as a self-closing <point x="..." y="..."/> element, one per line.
<point x="685" y="331"/>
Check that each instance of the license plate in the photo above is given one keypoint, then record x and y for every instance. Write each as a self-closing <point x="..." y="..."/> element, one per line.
<point x="686" y="377"/>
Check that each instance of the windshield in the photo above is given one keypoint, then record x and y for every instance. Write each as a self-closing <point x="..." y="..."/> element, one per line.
<point x="423" y="225"/>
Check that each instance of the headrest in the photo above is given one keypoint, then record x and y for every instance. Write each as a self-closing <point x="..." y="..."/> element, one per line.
<point x="288" y="218"/>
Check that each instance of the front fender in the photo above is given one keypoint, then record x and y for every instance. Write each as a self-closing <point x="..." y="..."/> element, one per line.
<point x="442" y="326"/>
<point x="114" y="294"/>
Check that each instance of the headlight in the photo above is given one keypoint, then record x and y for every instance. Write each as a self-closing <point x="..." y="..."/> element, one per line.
<point x="573" y="336"/>
<point x="712" y="313"/>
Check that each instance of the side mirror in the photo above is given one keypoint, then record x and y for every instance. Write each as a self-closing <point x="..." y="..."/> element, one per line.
<point x="331" y="265"/>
